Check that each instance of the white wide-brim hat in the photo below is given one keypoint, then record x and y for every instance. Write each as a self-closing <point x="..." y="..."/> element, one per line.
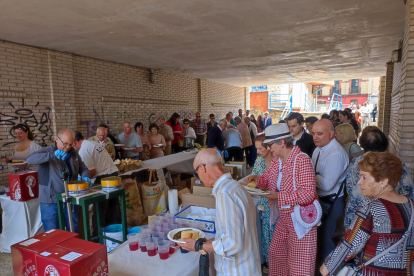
<point x="276" y="132"/>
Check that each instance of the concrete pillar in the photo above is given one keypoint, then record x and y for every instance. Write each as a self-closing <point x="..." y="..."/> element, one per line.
<point x="387" y="98"/>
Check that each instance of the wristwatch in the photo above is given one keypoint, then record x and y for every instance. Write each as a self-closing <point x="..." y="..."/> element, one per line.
<point x="199" y="246"/>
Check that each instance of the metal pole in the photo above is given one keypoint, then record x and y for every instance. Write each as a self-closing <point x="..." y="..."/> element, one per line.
<point x="68" y="208"/>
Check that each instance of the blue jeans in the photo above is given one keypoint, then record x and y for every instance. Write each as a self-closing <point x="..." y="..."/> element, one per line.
<point x="50" y="217"/>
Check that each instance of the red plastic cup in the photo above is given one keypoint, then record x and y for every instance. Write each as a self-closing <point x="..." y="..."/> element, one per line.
<point x="163" y="249"/>
<point x="133" y="246"/>
<point x="151" y="244"/>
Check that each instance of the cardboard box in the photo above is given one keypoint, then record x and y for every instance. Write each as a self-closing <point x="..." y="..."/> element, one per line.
<point x="24" y="253"/>
<point x="23" y="185"/>
<point x="240" y="167"/>
<point x="130" y="167"/>
<point x="196" y="182"/>
<point x="207" y="225"/>
<point x="201" y="197"/>
<point x="230" y="169"/>
<point x="72" y="258"/>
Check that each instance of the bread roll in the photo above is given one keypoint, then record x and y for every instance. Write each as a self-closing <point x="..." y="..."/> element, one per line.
<point x="187" y="234"/>
<point x="251" y="185"/>
<point x="196" y="235"/>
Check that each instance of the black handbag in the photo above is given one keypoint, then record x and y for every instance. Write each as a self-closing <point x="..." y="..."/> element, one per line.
<point x="328" y="201"/>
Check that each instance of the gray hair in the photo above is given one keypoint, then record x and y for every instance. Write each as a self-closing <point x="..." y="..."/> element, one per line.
<point x="64" y="130"/>
<point x="288" y="141"/>
<point x="247" y="118"/>
<point x="209" y="157"/>
<point x="222" y="122"/>
<point x="237" y="119"/>
<point x="230" y="126"/>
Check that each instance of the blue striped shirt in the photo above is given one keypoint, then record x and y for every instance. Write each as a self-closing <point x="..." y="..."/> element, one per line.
<point x="236" y="245"/>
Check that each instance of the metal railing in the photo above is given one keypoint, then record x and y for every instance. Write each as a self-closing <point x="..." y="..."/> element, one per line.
<point x="336" y="102"/>
<point x="281" y="101"/>
<point x="309" y="105"/>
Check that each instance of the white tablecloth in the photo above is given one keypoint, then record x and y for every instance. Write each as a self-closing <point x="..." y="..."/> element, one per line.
<point x="21" y="220"/>
<point x="123" y="262"/>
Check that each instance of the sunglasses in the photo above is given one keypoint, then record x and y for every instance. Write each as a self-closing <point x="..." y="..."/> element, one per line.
<point x="195" y="174"/>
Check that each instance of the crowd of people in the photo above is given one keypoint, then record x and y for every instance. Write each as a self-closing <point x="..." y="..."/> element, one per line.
<point x="315" y="171"/>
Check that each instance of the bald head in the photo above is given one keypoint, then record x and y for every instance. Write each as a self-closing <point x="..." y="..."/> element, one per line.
<point x="209" y="166"/>
<point x="65" y="139"/>
<point x="101" y="133"/>
<point x="209" y="157"/>
<point x="323" y="132"/>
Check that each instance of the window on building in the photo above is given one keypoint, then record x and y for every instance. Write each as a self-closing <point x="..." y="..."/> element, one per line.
<point x="355" y="102"/>
<point x="355" y="86"/>
<point x="336" y="88"/>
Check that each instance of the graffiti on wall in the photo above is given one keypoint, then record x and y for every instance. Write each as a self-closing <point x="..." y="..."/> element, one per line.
<point x="38" y="120"/>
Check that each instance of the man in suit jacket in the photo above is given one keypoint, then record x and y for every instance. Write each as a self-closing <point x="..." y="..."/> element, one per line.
<point x="302" y="139"/>
<point x="267" y="121"/>
<point x="215" y="138"/>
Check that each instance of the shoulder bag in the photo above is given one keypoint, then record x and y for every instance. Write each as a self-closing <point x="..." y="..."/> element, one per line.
<point x="350" y="270"/>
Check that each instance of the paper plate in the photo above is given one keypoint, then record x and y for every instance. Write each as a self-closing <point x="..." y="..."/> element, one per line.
<point x="157" y="146"/>
<point x="128" y="148"/>
<point x="254" y="191"/>
<point x="173" y="232"/>
<point x="22" y="163"/>
<point x="119" y="145"/>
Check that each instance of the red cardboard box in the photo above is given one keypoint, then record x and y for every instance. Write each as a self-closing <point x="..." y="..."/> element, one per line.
<point x="24" y="252"/>
<point x="23" y="185"/>
<point x="74" y="257"/>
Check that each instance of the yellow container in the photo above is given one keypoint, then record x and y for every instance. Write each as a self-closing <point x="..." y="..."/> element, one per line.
<point x="111" y="183"/>
<point x="78" y="187"/>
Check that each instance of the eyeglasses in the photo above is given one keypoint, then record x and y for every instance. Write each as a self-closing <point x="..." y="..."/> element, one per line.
<point x="195" y="174"/>
<point x="270" y="144"/>
<point x="212" y="118"/>
<point x="185" y="123"/>
<point x="66" y="145"/>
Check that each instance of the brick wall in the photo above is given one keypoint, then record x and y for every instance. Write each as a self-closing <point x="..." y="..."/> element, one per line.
<point x="381" y="100"/>
<point x="387" y="98"/>
<point x="50" y="90"/>
<point x="401" y="128"/>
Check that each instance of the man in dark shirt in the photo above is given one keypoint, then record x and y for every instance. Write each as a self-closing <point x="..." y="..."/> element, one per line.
<point x="215" y="138"/>
<point x="302" y="139"/>
<point x="334" y="114"/>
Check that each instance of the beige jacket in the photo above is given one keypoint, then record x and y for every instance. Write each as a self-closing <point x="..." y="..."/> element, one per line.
<point x="245" y="134"/>
<point x="109" y="146"/>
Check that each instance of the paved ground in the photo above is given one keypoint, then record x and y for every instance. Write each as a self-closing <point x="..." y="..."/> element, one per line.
<point x="5" y="265"/>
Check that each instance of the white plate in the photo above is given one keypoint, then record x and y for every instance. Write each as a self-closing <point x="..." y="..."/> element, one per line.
<point x="188" y="136"/>
<point x="254" y="191"/>
<point x="173" y="232"/>
<point x="18" y="164"/>
<point x="177" y="131"/>
<point x="128" y="148"/>
<point x="157" y="146"/>
<point x="119" y="145"/>
<point x="200" y="133"/>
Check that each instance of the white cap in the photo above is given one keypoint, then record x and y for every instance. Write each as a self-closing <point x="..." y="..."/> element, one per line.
<point x="267" y="112"/>
<point x="276" y="132"/>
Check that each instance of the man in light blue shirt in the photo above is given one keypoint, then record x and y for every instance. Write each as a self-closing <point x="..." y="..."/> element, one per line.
<point x="235" y="246"/>
<point x="233" y="144"/>
<point x="132" y="142"/>
<point x="330" y="161"/>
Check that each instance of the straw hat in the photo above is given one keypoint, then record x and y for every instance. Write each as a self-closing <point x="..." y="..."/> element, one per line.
<point x="276" y="132"/>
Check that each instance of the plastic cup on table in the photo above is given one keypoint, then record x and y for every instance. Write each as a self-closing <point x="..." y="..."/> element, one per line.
<point x="163" y="215"/>
<point x="156" y="228"/>
<point x="157" y="222"/>
<point x="144" y="227"/>
<point x="173" y="226"/>
<point x="164" y="249"/>
<point x="158" y="235"/>
<point x="132" y="241"/>
<point x="142" y="241"/>
<point x="172" y="247"/>
<point x="170" y="221"/>
<point x="7" y="190"/>
<point x="165" y="225"/>
<point x="151" y="245"/>
<point x="166" y="231"/>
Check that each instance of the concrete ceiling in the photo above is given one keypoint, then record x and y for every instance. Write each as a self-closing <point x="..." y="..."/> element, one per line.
<point x="240" y="42"/>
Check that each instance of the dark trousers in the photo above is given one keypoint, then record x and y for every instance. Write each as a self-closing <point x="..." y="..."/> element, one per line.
<point x="374" y="115"/>
<point x="253" y="155"/>
<point x="246" y="151"/>
<point x="234" y="152"/>
<point x="109" y="210"/>
<point x="328" y="228"/>
<point x="201" y="139"/>
<point x="175" y="148"/>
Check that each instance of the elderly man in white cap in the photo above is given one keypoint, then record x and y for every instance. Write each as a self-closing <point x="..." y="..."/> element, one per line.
<point x="267" y="121"/>
<point x="290" y="181"/>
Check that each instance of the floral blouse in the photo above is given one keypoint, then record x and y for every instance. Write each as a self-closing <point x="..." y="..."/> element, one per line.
<point x="355" y="197"/>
